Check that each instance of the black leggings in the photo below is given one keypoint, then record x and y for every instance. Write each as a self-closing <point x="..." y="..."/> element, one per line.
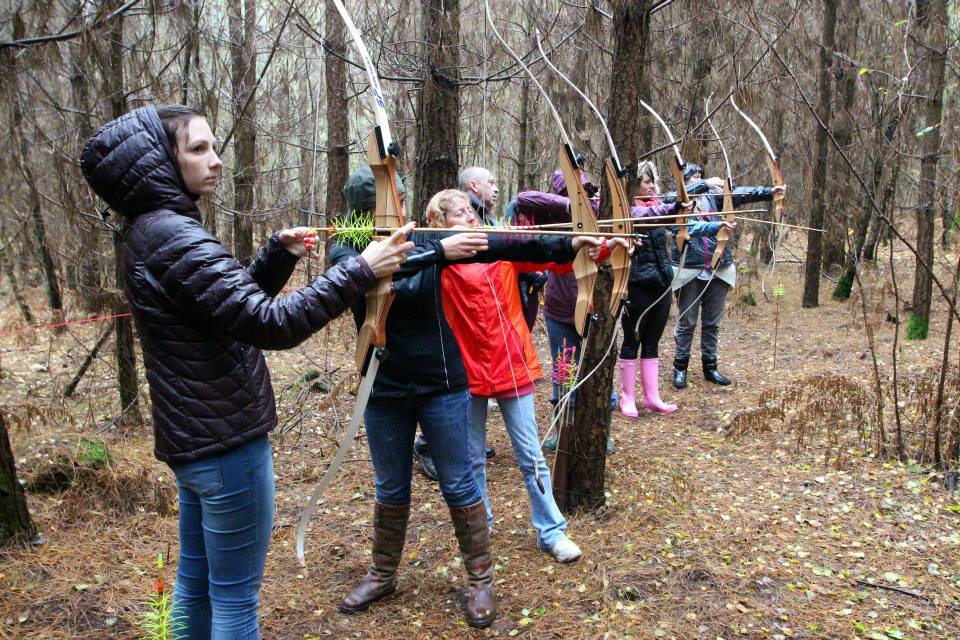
<point x="645" y="336"/>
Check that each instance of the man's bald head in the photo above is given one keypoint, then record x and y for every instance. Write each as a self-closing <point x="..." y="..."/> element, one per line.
<point x="481" y="183"/>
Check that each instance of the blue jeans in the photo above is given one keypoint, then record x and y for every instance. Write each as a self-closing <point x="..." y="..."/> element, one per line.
<point x="564" y="336"/>
<point x="445" y="421"/>
<point x="226" y="517"/>
<point x="520" y="418"/>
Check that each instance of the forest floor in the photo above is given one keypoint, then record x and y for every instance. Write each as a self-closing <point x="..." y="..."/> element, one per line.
<point x="721" y="521"/>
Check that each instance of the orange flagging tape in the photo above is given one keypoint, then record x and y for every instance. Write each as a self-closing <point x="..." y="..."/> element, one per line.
<point x="57" y="325"/>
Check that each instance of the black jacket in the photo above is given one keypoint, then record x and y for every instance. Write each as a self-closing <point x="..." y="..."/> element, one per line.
<point x="423" y="358"/>
<point x="651" y="265"/>
<point x="202" y="316"/>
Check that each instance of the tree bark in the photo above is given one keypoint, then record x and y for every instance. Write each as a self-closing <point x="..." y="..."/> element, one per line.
<point x="814" y="262"/>
<point x="338" y="125"/>
<point x="126" y="353"/>
<point x="7" y="264"/>
<point x="89" y="281"/>
<point x="877" y="225"/>
<point x="190" y="63"/>
<point x="846" y="86"/>
<point x="584" y="486"/>
<point x="15" y="522"/>
<point x="523" y="181"/>
<point x="931" y="23"/>
<point x="38" y="226"/>
<point x="438" y="124"/>
<point x="244" y="67"/>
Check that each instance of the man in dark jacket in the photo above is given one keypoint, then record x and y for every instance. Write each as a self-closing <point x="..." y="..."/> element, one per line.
<point x="481" y="187"/>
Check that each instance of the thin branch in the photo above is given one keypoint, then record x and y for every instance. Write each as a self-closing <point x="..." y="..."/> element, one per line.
<point x="60" y="37"/>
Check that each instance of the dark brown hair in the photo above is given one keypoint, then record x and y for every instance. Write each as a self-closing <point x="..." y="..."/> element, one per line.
<point x="174" y="117"/>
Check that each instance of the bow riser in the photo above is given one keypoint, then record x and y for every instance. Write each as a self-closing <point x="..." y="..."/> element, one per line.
<point x="387" y="215"/>
<point x="776" y="178"/>
<point x="583" y="219"/>
<point x="619" y="257"/>
<point x="683" y="234"/>
<point x="723" y="236"/>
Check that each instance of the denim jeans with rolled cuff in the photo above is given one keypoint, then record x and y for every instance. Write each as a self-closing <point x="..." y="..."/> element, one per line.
<point x="520" y="419"/>
<point x="226" y="518"/>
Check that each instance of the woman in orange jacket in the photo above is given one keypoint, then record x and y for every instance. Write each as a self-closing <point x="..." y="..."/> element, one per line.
<point x="483" y="307"/>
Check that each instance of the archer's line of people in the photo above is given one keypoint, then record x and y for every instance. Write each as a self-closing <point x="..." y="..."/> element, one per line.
<point x="458" y="336"/>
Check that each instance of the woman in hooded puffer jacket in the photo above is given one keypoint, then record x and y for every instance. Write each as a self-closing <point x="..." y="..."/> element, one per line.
<point x="202" y="318"/>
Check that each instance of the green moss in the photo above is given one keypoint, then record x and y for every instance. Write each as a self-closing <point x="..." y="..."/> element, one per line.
<point x="92" y="452"/>
<point x="844" y="287"/>
<point x="917" y="328"/>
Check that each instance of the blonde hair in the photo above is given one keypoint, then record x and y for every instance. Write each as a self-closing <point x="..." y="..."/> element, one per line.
<point x="439" y="203"/>
<point x="650" y="170"/>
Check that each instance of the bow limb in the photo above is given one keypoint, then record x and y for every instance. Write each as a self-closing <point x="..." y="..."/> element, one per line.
<point x="363" y="395"/>
<point x="723" y="236"/>
<point x="683" y="234"/>
<point x="619" y="257"/>
<point x="773" y="163"/>
<point x="381" y="155"/>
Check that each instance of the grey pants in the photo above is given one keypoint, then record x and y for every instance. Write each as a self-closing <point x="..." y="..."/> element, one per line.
<point x="711" y="304"/>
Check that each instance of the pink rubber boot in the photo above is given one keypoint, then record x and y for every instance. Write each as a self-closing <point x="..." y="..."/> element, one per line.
<point x="628" y="384"/>
<point x="650" y="379"/>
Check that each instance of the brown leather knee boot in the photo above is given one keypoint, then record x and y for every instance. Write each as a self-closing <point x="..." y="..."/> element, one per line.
<point x="473" y="536"/>
<point x="389" y="533"/>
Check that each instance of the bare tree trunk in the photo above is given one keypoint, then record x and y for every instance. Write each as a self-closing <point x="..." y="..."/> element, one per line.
<point x="438" y="124"/>
<point x="842" y="209"/>
<point x="931" y="19"/>
<point x="814" y="262"/>
<point x="584" y="486"/>
<point x="586" y="134"/>
<point x="190" y="63"/>
<point x="126" y="353"/>
<point x="54" y="296"/>
<point x="7" y="265"/>
<point x="523" y="180"/>
<point x="244" y="67"/>
<point x="338" y="125"/>
<point x="15" y="522"/>
<point x="877" y="225"/>
<point x="949" y="202"/>
<point x="698" y="64"/>
<point x="89" y="278"/>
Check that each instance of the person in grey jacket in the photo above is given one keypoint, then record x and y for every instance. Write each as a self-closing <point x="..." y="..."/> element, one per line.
<point x="202" y="319"/>
<point x="698" y="286"/>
